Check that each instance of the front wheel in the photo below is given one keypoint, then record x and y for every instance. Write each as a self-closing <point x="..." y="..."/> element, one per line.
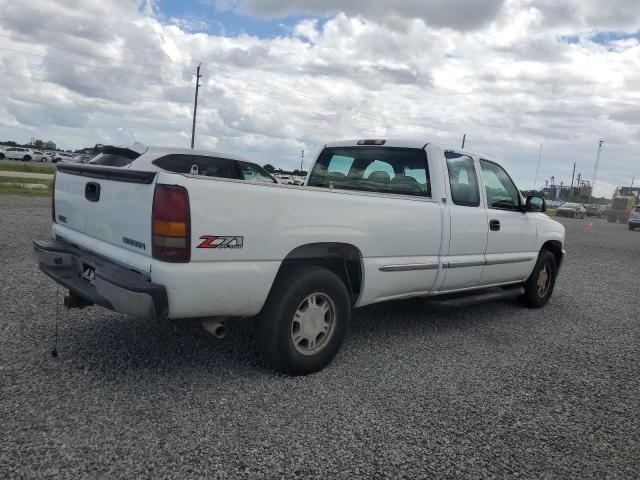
<point x="539" y="286"/>
<point x="305" y="320"/>
<point x="26" y="158"/>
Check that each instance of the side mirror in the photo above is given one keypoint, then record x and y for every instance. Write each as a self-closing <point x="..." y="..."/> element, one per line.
<point x="536" y="204"/>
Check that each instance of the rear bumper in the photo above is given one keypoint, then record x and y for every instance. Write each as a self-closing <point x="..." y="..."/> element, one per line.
<point x="113" y="287"/>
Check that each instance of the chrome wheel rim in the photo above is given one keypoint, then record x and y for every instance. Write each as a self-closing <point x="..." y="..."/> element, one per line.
<point x="313" y="324"/>
<point x="544" y="280"/>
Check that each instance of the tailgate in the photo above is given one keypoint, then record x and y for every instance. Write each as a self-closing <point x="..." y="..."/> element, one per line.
<point x="100" y="208"/>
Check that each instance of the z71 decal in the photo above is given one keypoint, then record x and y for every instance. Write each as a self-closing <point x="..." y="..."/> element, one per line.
<point x="213" y="241"/>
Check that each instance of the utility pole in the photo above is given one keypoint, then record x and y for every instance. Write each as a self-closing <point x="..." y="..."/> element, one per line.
<point x="572" y="177"/>
<point x="301" y="159"/>
<point x="464" y="137"/>
<point x="538" y="167"/>
<point x="595" y="171"/>
<point x="195" y="106"/>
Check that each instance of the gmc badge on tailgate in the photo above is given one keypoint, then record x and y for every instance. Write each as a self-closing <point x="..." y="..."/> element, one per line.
<point x="216" y="241"/>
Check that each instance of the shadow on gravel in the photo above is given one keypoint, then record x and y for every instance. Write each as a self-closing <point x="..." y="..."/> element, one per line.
<point x="114" y="343"/>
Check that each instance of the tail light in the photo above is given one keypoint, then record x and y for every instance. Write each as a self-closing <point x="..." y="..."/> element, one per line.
<point x="53" y="200"/>
<point x="171" y="224"/>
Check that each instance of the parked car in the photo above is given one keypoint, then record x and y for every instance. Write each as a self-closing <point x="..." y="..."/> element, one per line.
<point x="17" y="153"/>
<point x="84" y="158"/>
<point x="183" y="160"/>
<point x="378" y="220"/>
<point x="572" y="210"/>
<point x="63" y="157"/>
<point x="634" y="218"/>
<point x="594" y="210"/>
<point x="39" y="156"/>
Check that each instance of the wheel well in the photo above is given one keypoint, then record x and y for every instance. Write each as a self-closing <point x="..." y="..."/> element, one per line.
<point x="343" y="259"/>
<point x="555" y="247"/>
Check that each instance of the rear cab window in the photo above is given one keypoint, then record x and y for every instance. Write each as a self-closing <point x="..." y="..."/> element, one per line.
<point x="391" y="170"/>
<point x="113" y="157"/>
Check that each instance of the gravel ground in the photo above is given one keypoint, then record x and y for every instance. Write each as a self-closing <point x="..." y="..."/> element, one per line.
<point x="490" y="391"/>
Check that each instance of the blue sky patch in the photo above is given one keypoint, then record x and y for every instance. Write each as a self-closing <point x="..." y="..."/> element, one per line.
<point x="203" y="16"/>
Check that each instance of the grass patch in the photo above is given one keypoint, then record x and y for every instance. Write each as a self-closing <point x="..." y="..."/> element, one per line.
<point x="27" y="169"/>
<point x="11" y="186"/>
<point x="26" y="192"/>
<point x="41" y="181"/>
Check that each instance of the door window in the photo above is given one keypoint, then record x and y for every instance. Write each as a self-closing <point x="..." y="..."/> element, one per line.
<point x="463" y="179"/>
<point x="501" y="192"/>
<point x="254" y="173"/>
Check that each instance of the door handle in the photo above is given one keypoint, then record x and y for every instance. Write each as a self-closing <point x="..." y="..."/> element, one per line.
<point x="92" y="191"/>
<point x="494" y="225"/>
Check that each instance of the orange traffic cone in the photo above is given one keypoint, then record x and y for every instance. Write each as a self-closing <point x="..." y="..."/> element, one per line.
<point x="589" y="228"/>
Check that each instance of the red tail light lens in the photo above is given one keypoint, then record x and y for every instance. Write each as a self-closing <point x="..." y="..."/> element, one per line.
<point x="171" y="224"/>
<point x="53" y="200"/>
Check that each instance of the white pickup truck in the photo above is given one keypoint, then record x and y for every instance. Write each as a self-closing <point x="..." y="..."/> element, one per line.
<point x="377" y="220"/>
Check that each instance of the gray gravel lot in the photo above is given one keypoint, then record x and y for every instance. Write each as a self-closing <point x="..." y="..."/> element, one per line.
<point x="490" y="391"/>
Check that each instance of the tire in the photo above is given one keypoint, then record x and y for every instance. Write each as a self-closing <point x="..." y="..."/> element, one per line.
<point x="534" y="295"/>
<point x="290" y="298"/>
<point x="632" y="227"/>
<point x="26" y="158"/>
<point x="1" y="156"/>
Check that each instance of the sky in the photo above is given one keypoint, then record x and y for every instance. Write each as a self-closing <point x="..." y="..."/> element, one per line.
<point x="282" y="76"/>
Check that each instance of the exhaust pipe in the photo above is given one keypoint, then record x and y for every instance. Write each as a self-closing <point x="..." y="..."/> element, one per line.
<point x="75" y="301"/>
<point x="215" y="327"/>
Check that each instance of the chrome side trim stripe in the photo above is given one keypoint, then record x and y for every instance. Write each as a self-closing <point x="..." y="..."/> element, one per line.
<point x="481" y="263"/>
<point x="475" y="263"/>
<point x="502" y="261"/>
<point x="409" y="267"/>
<point x="434" y="266"/>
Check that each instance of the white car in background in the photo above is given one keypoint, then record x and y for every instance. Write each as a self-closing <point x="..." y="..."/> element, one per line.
<point x="634" y="218"/>
<point x="571" y="210"/>
<point x="63" y="157"/>
<point x="39" y="156"/>
<point x="17" y="153"/>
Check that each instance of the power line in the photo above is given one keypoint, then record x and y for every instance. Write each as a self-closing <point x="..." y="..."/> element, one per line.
<point x="88" y="65"/>
<point x="41" y="27"/>
<point x="101" y="57"/>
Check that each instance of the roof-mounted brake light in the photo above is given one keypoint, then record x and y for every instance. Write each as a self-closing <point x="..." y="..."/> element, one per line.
<point x="371" y="142"/>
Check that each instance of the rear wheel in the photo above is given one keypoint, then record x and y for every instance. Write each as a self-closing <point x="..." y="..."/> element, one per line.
<point x="26" y="158"/>
<point x="1" y="156"/>
<point x="305" y="320"/>
<point x="539" y="286"/>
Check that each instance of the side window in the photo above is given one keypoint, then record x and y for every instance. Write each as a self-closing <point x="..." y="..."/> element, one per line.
<point x="501" y="192"/>
<point x="463" y="180"/>
<point x="208" y="166"/>
<point x="253" y="173"/>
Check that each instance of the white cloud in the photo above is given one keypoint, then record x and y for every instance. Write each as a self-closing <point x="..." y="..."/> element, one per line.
<point x="113" y="72"/>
